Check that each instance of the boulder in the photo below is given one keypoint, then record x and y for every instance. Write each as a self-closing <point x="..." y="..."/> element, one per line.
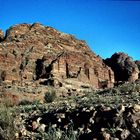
<point x="123" y="66"/>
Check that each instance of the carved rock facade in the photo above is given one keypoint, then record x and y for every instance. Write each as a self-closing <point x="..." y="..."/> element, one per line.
<point x="31" y="53"/>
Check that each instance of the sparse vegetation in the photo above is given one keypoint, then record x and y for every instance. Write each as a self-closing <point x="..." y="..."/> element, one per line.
<point x="57" y="134"/>
<point x="112" y="98"/>
<point x="27" y="102"/>
<point x="50" y="95"/>
<point x="7" y="126"/>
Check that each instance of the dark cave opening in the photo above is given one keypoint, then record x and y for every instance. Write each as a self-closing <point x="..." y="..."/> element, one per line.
<point x="67" y="70"/>
<point x="39" y="68"/>
<point x="121" y="75"/>
<point x="43" y="71"/>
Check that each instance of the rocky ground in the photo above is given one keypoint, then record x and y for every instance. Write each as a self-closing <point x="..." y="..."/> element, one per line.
<point x="109" y="114"/>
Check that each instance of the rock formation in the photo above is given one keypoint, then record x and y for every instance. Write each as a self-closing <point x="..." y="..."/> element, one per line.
<point x="138" y="64"/>
<point x="37" y="53"/>
<point x="123" y="66"/>
<point x="1" y="35"/>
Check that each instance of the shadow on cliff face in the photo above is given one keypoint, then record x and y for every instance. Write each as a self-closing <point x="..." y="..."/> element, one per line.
<point x="123" y="66"/>
<point x="44" y="72"/>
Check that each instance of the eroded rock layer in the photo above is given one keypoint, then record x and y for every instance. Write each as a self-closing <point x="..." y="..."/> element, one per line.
<point x="31" y="53"/>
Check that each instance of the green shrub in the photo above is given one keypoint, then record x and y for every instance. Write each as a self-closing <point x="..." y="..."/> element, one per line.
<point x="57" y="134"/>
<point x="126" y="88"/>
<point x="7" y="126"/>
<point x="25" y="102"/>
<point x="36" y="102"/>
<point x="50" y="95"/>
<point x="115" y="91"/>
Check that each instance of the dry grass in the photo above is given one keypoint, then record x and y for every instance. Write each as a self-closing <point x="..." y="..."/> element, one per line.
<point x="7" y="126"/>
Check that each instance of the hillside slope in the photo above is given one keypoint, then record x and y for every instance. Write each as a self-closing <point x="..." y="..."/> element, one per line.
<point x="36" y="55"/>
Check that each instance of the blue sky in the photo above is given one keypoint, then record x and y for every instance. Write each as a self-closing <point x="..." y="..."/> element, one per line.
<point x="106" y="26"/>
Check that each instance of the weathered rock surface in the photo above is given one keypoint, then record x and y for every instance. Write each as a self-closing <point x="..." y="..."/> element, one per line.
<point x="138" y="64"/>
<point x="123" y="66"/>
<point x="1" y="35"/>
<point x="40" y="54"/>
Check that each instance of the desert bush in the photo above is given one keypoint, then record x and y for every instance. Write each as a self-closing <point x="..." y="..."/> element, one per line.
<point x="50" y="95"/>
<point x="70" y="134"/>
<point x="7" y="126"/>
<point x="137" y="87"/>
<point x="36" y="102"/>
<point x="104" y="92"/>
<point x="115" y="91"/>
<point x="25" y="102"/>
<point x="127" y="88"/>
<point x="57" y="134"/>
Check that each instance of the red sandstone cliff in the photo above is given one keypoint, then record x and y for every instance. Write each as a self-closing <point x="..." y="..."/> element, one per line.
<point x="31" y="53"/>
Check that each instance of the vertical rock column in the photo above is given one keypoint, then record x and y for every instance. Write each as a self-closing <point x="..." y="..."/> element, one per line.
<point x="1" y="35"/>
